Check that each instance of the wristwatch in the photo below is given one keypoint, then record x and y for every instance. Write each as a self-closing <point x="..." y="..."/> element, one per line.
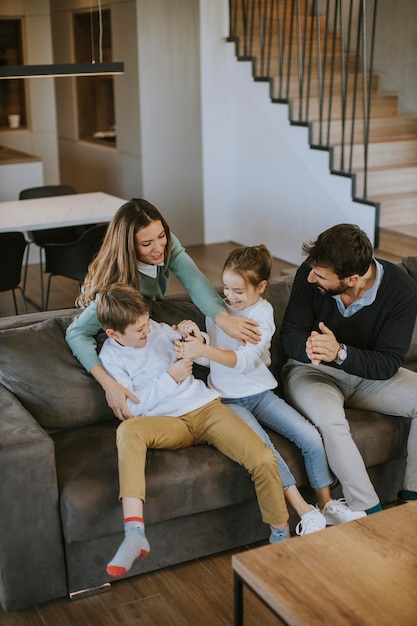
<point x="342" y="354"/>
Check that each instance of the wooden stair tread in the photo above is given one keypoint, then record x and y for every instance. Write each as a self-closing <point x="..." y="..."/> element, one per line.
<point x="395" y="197"/>
<point x="386" y="103"/>
<point x="397" y="207"/>
<point x="406" y="230"/>
<point x="380" y="127"/>
<point x="399" y="239"/>
<point x="390" y="141"/>
<point x="389" y="124"/>
<point x="411" y="165"/>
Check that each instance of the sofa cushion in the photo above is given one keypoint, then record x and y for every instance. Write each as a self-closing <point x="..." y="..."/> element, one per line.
<point x="178" y="483"/>
<point x="173" y="310"/>
<point x="409" y="264"/>
<point x="37" y="366"/>
<point x="183" y="482"/>
<point x="278" y="294"/>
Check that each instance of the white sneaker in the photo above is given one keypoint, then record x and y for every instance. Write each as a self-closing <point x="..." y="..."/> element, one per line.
<point x="338" y="512"/>
<point x="311" y="522"/>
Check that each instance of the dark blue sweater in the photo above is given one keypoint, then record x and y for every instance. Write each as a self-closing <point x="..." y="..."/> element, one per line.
<point x="377" y="336"/>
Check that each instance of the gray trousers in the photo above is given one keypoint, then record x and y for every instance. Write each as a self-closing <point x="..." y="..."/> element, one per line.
<point x="321" y="393"/>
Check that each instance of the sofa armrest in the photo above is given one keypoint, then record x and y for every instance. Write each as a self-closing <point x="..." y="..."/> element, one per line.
<point x="32" y="565"/>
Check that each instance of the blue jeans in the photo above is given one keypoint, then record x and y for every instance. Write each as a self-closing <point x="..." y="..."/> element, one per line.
<point x="268" y="409"/>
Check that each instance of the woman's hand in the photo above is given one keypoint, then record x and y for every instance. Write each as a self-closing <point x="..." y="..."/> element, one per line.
<point x="241" y="328"/>
<point x="116" y="394"/>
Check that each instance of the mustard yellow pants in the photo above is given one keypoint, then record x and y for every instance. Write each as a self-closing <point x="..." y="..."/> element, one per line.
<point x="213" y="424"/>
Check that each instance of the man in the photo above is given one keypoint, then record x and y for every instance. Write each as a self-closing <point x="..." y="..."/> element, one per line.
<point x="346" y="330"/>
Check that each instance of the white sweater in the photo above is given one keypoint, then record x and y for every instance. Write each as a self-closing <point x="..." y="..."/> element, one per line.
<point x="250" y="374"/>
<point x="144" y="372"/>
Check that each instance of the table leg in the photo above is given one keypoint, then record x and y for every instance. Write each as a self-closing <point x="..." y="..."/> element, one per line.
<point x="238" y="599"/>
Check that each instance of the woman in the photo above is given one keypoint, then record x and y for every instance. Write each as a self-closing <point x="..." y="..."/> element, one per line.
<point x="140" y="250"/>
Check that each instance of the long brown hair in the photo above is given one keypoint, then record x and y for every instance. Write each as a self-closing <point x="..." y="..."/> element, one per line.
<point x="116" y="261"/>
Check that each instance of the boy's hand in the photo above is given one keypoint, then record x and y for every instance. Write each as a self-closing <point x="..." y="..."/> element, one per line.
<point x="180" y="370"/>
<point x="188" y="328"/>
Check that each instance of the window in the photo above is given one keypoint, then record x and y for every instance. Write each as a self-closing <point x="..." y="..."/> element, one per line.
<point x="12" y="91"/>
<point x="95" y="94"/>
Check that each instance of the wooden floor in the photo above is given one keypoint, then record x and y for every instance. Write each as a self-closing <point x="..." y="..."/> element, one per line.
<point x="198" y="593"/>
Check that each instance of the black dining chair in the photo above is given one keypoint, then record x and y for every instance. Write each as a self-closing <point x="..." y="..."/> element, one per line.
<point x="72" y="259"/>
<point x="49" y="235"/>
<point x="12" y="250"/>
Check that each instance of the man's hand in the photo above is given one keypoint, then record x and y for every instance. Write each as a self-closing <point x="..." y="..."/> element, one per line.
<point x="322" y="346"/>
<point x="241" y="328"/>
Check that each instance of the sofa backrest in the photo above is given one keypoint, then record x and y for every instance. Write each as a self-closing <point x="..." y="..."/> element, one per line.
<point x="37" y="366"/>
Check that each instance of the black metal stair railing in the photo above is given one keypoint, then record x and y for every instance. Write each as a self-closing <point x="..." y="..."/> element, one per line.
<point x="318" y="58"/>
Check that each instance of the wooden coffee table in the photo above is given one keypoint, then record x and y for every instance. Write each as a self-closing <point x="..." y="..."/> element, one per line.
<point x="362" y="573"/>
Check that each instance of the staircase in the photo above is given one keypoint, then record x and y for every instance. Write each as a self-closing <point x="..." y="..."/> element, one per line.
<point x="312" y="54"/>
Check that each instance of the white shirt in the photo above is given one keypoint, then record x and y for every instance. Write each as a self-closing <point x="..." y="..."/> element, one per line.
<point x="144" y="372"/>
<point x="250" y="374"/>
<point x="148" y="269"/>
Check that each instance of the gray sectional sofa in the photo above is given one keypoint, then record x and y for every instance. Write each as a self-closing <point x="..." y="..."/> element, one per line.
<point x="60" y="519"/>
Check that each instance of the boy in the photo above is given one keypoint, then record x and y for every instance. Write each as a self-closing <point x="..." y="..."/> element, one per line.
<point x="175" y="411"/>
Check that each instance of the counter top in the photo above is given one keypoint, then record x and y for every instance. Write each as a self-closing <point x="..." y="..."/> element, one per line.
<point x="9" y="156"/>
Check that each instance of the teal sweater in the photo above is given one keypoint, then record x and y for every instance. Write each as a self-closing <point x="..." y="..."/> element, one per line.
<point x="81" y="333"/>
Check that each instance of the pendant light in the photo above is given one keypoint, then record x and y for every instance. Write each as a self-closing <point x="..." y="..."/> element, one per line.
<point x="67" y="69"/>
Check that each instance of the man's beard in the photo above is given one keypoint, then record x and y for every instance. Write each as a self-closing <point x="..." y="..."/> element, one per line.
<point x="332" y="292"/>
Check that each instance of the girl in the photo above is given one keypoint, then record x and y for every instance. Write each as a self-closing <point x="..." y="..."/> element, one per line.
<point x="241" y="375"/>
<point x="140" y="250"/>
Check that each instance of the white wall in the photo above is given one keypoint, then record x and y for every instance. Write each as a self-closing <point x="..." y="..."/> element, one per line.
<point x="396" y="51"/>
<point x="258" y="170"/>
<point x="87" y="166"/>
<point x="40" y="137"/>
<point x="169" y="74"/>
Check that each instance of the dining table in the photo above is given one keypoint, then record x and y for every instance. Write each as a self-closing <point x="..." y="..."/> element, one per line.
<point x="58" y="211"/>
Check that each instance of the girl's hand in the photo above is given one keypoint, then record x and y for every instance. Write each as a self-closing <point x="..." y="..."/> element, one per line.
<point x="191" y="348"/>
<point x="241" y="328"/>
